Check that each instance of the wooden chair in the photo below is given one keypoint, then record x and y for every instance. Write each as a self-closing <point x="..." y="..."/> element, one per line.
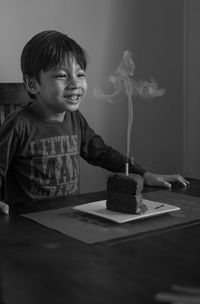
<point x="12" y="96"/>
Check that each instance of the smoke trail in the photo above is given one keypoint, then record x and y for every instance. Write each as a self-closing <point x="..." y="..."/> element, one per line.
<point x="123" y="81"/>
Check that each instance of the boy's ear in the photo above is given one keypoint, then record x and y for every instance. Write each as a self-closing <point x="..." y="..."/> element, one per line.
<point x="30" y="84"/>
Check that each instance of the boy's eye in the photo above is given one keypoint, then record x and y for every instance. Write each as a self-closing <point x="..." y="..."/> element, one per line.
<point x="61" y="76"/>
<point x="81" y="75"/>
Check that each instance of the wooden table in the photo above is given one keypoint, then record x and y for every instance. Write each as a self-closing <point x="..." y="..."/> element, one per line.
<point x="39" y="265"/>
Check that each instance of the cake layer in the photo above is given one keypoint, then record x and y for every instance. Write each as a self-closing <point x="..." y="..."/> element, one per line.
<point x="122" y="202"/>
<point x="132" y="184"/>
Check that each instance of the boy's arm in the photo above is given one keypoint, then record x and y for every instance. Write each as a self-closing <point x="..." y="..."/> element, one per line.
<point x="96" y="152"/>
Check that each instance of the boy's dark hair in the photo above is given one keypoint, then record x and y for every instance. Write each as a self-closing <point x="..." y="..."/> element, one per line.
<point x="46" y="50"/>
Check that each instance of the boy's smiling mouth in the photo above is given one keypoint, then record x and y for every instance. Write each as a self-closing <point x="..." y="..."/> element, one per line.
<point x="72" y="97"/>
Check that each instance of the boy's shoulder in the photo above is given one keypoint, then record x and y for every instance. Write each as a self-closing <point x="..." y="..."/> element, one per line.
<point x="18" y="117"/>
<point x="18" y="113"/>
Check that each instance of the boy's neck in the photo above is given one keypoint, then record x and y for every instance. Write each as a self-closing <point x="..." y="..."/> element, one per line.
<point x="56" y="117"/>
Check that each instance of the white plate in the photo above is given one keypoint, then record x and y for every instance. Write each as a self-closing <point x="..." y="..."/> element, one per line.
<point x="99" y="209"/>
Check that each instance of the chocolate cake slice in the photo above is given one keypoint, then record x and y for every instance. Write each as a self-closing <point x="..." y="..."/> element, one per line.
<point x="124" y="193"/>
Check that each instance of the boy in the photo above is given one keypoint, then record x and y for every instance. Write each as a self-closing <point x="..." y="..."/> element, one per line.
<point x="41" y="143"/>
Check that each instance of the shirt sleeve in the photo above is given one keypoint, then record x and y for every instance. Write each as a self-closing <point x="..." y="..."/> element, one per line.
<point x="96" y="152"/>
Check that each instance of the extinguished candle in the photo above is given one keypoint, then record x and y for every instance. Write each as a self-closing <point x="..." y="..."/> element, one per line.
<point x="127" y="168"/>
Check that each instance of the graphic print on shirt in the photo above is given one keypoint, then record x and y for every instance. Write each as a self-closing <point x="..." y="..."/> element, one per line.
<point x="55" y="166"/>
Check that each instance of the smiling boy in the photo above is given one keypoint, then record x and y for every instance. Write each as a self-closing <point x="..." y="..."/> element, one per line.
<point x="42" y="142"/>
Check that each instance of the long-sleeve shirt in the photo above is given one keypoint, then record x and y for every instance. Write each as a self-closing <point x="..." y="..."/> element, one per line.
<point x="40" y="159"/>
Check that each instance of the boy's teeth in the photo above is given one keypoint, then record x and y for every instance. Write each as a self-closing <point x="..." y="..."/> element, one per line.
<point x="72" y="97"/>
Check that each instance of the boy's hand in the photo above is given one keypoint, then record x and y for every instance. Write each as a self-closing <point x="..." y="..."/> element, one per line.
<point x="165" y="181"/>
<point x="4" y="208"/>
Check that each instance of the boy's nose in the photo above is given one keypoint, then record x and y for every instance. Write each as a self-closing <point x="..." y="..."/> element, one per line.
<point x="73" y="82"/>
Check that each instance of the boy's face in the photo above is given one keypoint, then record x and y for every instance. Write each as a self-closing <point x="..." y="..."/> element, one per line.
<point x="62" y="89"/>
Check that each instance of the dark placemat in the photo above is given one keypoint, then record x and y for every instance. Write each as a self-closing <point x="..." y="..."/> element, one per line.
<point x="91" y="229"/>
